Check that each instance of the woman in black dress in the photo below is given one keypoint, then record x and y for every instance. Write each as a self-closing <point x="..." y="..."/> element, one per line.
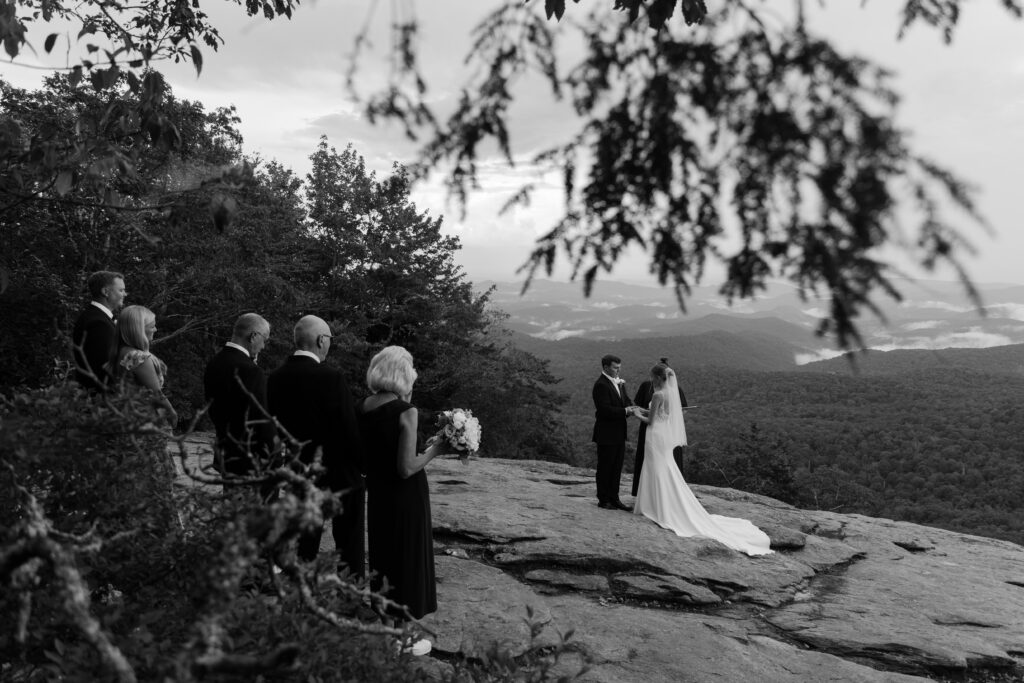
<point x="401" y="546"/>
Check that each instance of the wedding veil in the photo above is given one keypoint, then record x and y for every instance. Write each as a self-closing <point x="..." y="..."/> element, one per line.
<point x="676" y="426"/>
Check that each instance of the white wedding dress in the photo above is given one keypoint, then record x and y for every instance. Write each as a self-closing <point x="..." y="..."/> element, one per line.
<point x="663" y="495"/>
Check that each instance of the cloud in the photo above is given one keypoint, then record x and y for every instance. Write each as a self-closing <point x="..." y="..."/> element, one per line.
<point x="558" y="335"/>
<point x="974" y="338"/>
<point x="820" y="354"/>
<point x="941" y="305"/>
<point x="1014" y="311"/>
<point x="737" y="306"/>
<point x="923" y="325"/>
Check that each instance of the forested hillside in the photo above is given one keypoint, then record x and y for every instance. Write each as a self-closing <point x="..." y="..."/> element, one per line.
<point x="938" y="440"/>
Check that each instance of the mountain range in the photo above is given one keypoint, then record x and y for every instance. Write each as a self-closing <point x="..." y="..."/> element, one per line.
<point x="932" y="315"/>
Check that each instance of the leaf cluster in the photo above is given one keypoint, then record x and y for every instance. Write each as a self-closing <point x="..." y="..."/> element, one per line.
<point x="742" y="140"/>
<point x="101" y="150"/>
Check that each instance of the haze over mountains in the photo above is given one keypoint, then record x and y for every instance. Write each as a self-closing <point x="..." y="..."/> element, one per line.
<point x="933" y="315"/>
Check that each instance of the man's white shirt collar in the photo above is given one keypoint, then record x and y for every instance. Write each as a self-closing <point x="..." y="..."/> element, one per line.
<point x="614" y="380"/>
<point x="97" y="304"/>
<point x="303" y="352"/>
<point x="240" y="348"/>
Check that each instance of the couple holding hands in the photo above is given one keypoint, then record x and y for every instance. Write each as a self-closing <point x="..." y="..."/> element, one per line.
<point x="662" y="494"/>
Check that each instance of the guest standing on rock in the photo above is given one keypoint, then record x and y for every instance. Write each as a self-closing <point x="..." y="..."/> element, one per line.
<point x="400" y="531"/>
<point x="312" y="402"/>
<point x="236" y="390"/>
<point x="94" y="336"/>
<point x="612" y="407"/>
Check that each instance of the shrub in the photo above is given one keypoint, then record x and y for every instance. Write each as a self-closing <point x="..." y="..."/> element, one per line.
<point x="116" y="573"/>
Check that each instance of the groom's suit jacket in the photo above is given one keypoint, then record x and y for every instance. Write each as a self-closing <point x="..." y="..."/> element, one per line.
<point x="610" y="403"/>
<point x="312" y="401"/>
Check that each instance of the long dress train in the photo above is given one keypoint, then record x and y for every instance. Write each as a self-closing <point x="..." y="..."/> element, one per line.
<point x="663" y="495"/>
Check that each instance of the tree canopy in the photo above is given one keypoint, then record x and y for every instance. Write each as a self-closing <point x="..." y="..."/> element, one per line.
<point x="708" y="134"/>
<point x="342" y="244"/>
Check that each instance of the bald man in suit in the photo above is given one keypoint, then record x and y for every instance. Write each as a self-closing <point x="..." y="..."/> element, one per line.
<point x="236" y="389"/>
<point x="313" y="403"/>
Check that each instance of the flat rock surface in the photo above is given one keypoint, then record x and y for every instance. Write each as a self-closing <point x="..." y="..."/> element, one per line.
<point x="843" y="598"/>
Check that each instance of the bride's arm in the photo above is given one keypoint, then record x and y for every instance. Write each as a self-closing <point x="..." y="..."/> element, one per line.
<point x="656" y="405"/>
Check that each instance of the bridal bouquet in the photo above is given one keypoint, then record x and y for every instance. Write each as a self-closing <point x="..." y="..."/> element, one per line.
<point x="461" y="430"/>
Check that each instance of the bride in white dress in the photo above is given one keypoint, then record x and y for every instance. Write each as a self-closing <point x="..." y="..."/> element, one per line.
<point x="663" y="495"/>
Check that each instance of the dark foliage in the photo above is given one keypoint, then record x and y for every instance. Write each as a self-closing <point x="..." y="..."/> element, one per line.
<point x="104" y="148"/>
<point x="363" y="258"/>
<point x="115" y="567"/>
<point x="747" y="141"/>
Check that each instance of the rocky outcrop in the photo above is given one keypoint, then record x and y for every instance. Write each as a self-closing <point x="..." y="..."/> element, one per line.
<point x="843" y="598"/>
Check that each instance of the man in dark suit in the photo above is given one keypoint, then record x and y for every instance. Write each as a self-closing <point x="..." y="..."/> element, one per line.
<point x="94" y="337"/>
<point x="612" y="406"/>
<point x="312" y="402"/>
<point x="237" y="392"/>
<point x="643" y="400"/>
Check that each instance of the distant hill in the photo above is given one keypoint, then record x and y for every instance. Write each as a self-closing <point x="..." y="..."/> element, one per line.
<point x="998" y="360"/>
<point x="797" y="336"/>
<point x="747" y="351"/>
<point x="932" y="315"/>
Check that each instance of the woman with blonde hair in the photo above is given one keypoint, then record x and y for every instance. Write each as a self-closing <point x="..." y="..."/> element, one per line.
<point x="399" y="528"/>
<point x="136" y="326"/>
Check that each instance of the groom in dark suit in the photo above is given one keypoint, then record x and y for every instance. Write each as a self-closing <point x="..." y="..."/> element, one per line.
<point x="312" y="402"/>
<point x="612" y="407"/>
<point x="94" y="337"/>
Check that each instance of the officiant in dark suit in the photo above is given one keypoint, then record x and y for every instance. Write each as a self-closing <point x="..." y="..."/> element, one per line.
<point x="237" y="392"/>
<point x="94" y="336"/>
<point x="313" y="402"/>
<point x="643" y="400"/>
<point x="612" y="407"/>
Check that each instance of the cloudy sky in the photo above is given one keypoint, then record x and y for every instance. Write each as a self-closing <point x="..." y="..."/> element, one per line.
<point x="964" y="104"/>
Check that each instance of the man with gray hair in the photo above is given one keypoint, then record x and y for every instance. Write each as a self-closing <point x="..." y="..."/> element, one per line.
<point x="236" y="390"/>
<point x="313" y="403"/>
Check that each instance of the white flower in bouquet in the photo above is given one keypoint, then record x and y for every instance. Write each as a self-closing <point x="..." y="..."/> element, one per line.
<point x="461" y="430"/>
